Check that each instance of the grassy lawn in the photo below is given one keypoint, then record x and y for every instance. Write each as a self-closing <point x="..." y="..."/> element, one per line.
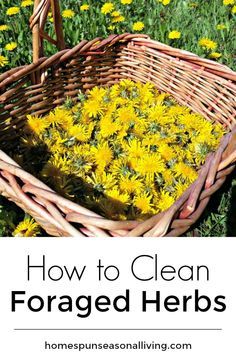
<point x="193" y="20"/>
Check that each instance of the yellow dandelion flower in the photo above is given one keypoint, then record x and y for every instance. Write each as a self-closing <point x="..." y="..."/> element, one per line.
<point x="143" y="203"/>
<point x="126" y="2"/>
<point x="60" y="117"/>
<point x="157" y="113"/>
<point x="107" y="8"/>
<point x="193" y="5"/>
<point x="118" y="196"/>
<point x="178" y="110"/>
<point x="79" y="132"/>
<point x="115" y="13"/>
<point x="115" y="91"/>
<point x="138" y="26"/>
<point x="36" y="125"/>
<point x="200" y="124"/>
<point x="233" y="10"/>
<point x="127" y="84"/>
<point x="120" y="167"/>
<point x="26" y="3"/>
<point x="68" y="13"/>
<point x="81" y="150"/>
<point x="207" y="43"/>
<point x="27" y="228"/>
<point x="97" y="93"/>
<point x="221" y="26"/>
<point x="102" y="154"/>
<point x="127" y="115"/>
<point x="228" y="2"/>
<point x="145" y="93"/>
<point x="11" y="46"/>
<point x="150" y="164"/>
<point x="180" y="188"/>
<point x="108" y="127"/>
<point x="139" y="128"/>
<point x="215" y="55"/>
<point x="168" y="176"/>
<point x="174" y="34"/>
<point x="165" y="201"/>
<point x="130" y="184"/>
<point x="165" y="2"/>
<point x="13" y="10"/>
<point x="4" y="28"/>
<point x="56" y="165"/>
<point x="166" y="152"/>
<point x="134" y="149"/>
<point x="84" y="7"/>
<point x="101" y="181"/>
<point x="187" y="172"/>
<point x="118" y="19"/>
<point x="93" y="108"/>
<point x="111" y="28"/>
<point x="3" y="61"/>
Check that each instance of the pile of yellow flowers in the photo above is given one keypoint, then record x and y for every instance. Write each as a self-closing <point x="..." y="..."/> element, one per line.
<point x="126" y="151"/>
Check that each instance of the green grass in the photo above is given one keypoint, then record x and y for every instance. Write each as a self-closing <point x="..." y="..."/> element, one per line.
<point x="194" y="19"/>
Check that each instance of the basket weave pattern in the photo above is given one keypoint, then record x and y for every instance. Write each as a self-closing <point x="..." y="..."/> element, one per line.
<point x="206" y="87"/>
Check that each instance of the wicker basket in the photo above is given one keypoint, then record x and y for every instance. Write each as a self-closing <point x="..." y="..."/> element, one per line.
<point x="207" y="87"/>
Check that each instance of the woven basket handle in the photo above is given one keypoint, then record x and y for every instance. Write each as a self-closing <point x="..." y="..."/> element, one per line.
<point x="37" y="24"/>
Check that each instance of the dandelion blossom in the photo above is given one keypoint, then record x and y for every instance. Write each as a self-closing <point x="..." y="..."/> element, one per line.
<point x="107" y="8"/>
<point x="11" y="46"/>
<point x="165" y="201"/>
<point x="174" y="35"/>
<point x="220" y="26"/>
<point x="130" y="184"/>
<point x="138" y="26"/>
<point x="150" y="164"/>
<point x="126" y="2"/>
<point x="60" y="117"/>
<point x="79" y="132"/>
<point x="118" y="19"/>
<point x="118" y="196"/>
<point x="13" y="10"/>
<point x="27" y="228"/>
<point x="228" y="2"/>
<point x="36" y="125"/>
<point x="26" y="3"/>
<point x="102" y="154"/>
<point x="207" y="43"/>
<point x="93" y="108"/>
<point x="4" y="28"/>
<point x="165" y="2"/>
<point x="3" y="61"/>
<point x="215" y="55"/>
<point x="84" y="7"/>
<point x="68" y="13"/>
<point x="143" y="203"/>
<point x="185" y="171"/>
<point x="115" y="13"/>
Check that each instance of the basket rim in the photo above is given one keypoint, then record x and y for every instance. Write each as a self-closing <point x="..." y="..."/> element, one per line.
<point x="94" y="47"/>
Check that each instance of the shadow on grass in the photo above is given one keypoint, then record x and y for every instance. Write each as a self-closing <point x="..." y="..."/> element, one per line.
<point x="231" y="216"/>
<point x="219" y="218"/>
